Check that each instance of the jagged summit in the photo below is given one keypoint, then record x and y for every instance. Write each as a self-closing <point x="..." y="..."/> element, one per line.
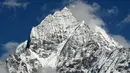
<point x="68" y="46"/>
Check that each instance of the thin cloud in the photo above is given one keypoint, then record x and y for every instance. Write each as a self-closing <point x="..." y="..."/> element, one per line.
<point x="41" y="16"/>
<point x="108" y="14"/>
<point x="44" y="7"/>
<point x="114" y="10"/>
<point x="14" y="4"/>
<point x="120" y="39"/>
<point x="124" y="22"/>
<point x="127" y="19"/>
<point x="83" y="11"/>
<point x="9" y="48"/>
<point x="3" y="67"/>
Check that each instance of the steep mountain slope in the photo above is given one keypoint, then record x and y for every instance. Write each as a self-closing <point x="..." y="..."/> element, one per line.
<point x="69" y="46"/>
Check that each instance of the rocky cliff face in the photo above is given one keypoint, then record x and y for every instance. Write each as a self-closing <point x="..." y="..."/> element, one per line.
<point x="69" y="46"/>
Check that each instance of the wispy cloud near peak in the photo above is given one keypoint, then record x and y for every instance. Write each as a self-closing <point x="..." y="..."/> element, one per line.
<point x="14" y="4"/>
<point x="127" y="19"/>
<point x="114" y="10"/>
<point x="9" y="47"/>
<point x="120" y="39"/>
<point x="84" y="11"/>
<point x="124" y="22"/>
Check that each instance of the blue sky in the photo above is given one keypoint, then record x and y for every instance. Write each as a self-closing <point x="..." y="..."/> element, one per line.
<point x="17" y="17"/>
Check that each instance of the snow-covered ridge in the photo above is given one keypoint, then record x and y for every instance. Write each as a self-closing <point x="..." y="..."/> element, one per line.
<point x="69" y="46"/>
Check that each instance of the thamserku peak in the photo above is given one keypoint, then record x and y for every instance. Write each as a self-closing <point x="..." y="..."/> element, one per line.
<point x="66" y="45"/>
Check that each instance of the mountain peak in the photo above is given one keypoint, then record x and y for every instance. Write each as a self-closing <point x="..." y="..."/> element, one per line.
<point x="65" y="8"/>
<point x="68" y="46"/>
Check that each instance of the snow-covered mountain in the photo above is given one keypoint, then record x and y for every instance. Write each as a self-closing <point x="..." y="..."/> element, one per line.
<point x="68" y="46"/>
